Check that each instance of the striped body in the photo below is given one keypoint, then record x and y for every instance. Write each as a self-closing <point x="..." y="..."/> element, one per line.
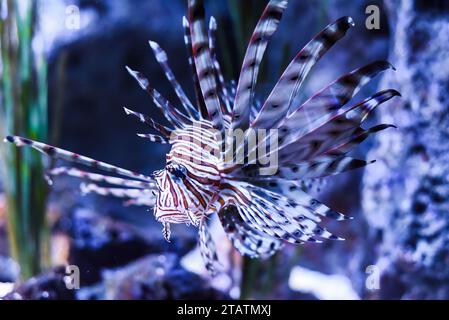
<point x="259" y="213"/>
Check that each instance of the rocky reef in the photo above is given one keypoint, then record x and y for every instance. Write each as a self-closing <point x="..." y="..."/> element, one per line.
<point x="405" y="195"/>
<point x="116" y="261"/>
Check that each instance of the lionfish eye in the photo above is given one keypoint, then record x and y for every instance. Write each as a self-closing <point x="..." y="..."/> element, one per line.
<point x="177" y="171"/>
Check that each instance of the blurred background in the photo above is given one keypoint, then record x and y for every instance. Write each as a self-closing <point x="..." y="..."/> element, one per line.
<point x="64" y="82"/>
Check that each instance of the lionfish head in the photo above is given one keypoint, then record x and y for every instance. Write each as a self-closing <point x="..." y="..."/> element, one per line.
<point x="190" y="178"/>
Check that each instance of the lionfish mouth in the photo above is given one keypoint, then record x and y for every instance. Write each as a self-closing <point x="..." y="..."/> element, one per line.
<point x="177" y="215"/>
<point x="167" y="215"/>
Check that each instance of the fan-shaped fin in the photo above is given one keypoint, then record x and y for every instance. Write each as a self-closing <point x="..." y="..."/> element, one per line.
<point x="293" y="212"/>
<point x="96" y="177"/>
<point x="166" y="231"/>
<point x="196" y="82"/>
<point x="265" y="28"/>
<point x="116" y="192"/>
<point x="225" y="99"/>
<point x="246" y="240"/>
<point x="154" y="138"/>
<point x="279" y="217"/>
<point x="339" y="92"/>
<point x="58" y="153"/>
<point x="359" y="136"/>
<point x="165" y="131"/>
<point x="137" y="197"/>
<point x="279" y="101"/>
<point x="305" y="142"/>
<point x="320" y="169"/>
<point x="173" y="115"/>
<point x="161" y="57"/>
<point x="204" y="64"/>
<point x="293" y="191"/>
<point x="207" y="248"/>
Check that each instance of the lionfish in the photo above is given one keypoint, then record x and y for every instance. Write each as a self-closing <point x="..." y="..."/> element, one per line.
<point x="259" y="213"/>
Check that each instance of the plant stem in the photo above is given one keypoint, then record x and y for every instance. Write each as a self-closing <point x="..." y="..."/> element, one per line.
<point x="23" y="107"/>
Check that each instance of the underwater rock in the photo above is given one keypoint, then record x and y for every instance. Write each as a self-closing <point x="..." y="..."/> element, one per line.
<point x="406" y="192"/>
<point x="99" y="243"/>
<point x="9" y="269"/>
<point x="95" y="292"/>
<point x="322" y="286"/>
<point x="46" y="286"/>
<point x="157" y="277"/>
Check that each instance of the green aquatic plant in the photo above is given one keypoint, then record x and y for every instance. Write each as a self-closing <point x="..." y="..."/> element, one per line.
<point x="23" y="110"/>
